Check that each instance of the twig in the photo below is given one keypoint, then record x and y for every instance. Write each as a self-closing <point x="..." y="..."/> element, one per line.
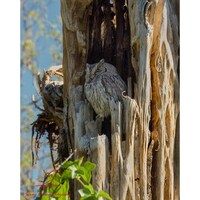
<point x="35" y="104"/>
<point x="32" y="145"/>
<point x="51" y="152"/>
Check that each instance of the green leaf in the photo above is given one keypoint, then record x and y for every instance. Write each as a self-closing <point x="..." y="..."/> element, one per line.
<point x="53" y="182"/>
<point x="67" y="164"/>
<point x="67" y="174"/>
<point x="84" y="173"/>
<point x="53" y="187"/>
<point x="89" y="166"/>
<point x="67" y="186"/>
<point x="84" y="192"/>
<point x="73" y="170"/>
<point x="62" y="191"/>
<point x="78" y="161"/>
<point x="87" y="192"/>
<point x="45" y="197"/>
<point x="89" y="198"/>
<point x="54" y="177"/>
<point x="80" y="171"/>
<point x="101" y="193"/>
<point x="90" y="187"/>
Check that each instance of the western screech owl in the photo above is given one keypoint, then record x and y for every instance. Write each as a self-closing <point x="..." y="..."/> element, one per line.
<point x="103" y="85"/>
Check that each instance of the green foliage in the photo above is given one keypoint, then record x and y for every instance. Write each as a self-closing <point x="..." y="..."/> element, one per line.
<point x="57" y="183"/>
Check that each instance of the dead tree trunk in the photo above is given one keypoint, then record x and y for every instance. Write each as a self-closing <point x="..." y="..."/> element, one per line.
<point x="141" y="38"/>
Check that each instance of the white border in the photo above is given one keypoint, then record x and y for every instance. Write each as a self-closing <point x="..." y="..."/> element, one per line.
<point x="190" y="100"/>
<point x="10" y="100"/>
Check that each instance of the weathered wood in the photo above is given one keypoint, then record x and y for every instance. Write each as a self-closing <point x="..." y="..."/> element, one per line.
<point x="116" y="158"/>
<point x="119" y="6"/>
<point x="75" y="23"/>
<point x="144" y="130"/>
<point x="100" y="156"/>
<point x="95" y="43"/>
<point x="165" y="105"/>
<point x="131" y="115"/>
<point x="153" y="39"/>
<point x="108" y="33"/>
<point x="177" y="161"/>
<point x="140" y="61"/>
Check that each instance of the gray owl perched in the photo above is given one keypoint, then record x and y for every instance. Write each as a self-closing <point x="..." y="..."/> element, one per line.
<point x="103" y="85"/>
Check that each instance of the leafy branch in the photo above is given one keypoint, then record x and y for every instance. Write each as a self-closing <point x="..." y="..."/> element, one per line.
<point x="57" y="184"/>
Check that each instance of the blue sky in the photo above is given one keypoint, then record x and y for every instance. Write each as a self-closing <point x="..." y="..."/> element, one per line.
<point x="43" y="58"/>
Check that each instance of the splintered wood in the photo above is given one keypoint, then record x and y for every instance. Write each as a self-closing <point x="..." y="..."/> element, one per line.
<point x="140" y="161"/>
<point x="122" y="166"/>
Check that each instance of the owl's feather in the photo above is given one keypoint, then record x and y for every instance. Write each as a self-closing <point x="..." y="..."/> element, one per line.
<point x="103" y="85"/>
